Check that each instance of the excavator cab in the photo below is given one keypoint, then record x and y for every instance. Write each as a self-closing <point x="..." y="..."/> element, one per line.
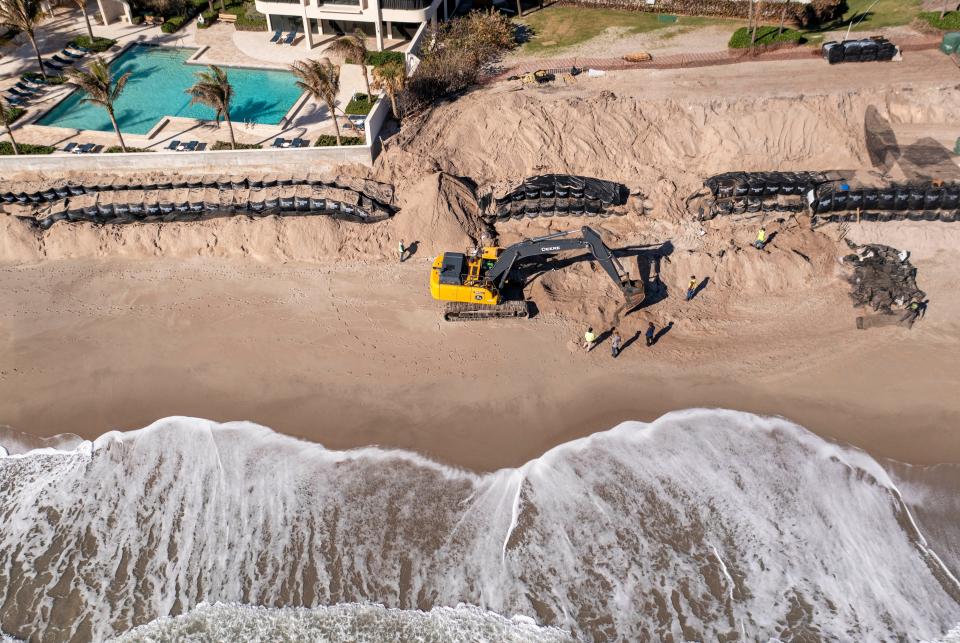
<point x="472" y="283"/>
<point x="461" y="277"/>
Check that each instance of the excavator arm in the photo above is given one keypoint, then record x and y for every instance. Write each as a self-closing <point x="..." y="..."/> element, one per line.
<point x="554" y="243"/>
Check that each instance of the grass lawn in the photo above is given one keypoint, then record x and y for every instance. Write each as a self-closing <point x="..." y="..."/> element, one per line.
<point x="886" y="13"/>
<point x="558" y="27"/>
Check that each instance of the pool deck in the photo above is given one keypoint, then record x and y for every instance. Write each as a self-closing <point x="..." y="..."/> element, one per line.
<point x="221" y="44"/>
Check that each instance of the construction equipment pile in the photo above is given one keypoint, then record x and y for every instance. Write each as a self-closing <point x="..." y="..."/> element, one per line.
<point x="882" y="277"/>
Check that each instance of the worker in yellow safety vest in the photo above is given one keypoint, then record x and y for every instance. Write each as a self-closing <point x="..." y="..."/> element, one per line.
<point x="761" y="239"/>
<point x="589" y="339"/>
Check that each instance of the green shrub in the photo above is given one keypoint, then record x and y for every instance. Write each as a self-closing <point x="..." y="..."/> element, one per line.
<point x="172" y="24"/>
<point x="225" y="145"/>
<point x="765" y="36"/>
<point x="326" y="140"/>
<point x="377" y="58"/>
<point x="115" y="149"/>
<point x="37" y="77"/>
<point x="360" y="104"/>
<point x="6" y="148"/>
<point x="248" y="18"/>
<point x="950" y="22"/>
<point x="97" y="45"/>
<point x="15" y="113"/>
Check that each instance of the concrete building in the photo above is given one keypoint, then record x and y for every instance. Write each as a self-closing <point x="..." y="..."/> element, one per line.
<point x="382" y="20"/>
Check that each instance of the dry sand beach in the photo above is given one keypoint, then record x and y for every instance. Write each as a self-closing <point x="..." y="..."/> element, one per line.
<point x="311" y="327"/>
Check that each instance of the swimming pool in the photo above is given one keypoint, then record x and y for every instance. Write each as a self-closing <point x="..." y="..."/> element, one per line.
<point x="157" y="88"/>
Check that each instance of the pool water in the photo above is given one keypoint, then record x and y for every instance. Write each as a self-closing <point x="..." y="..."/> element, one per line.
<point x="157" y="87"/>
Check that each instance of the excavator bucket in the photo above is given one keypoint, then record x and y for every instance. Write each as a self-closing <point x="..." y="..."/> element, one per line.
<point x="633" y="294"/>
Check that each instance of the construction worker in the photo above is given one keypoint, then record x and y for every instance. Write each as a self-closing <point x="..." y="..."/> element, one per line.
<point x="616" y="343"/>
<point x="589" y="339"/>
<point x="651" y="330"/>
<point x="914" y="311"/>
<point x="691" y="287"/>
<point x="761" y="239"/>
<point x="402" y="249"/>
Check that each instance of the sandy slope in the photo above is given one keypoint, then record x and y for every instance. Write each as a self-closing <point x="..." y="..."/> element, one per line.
<point x="309" y="326"/>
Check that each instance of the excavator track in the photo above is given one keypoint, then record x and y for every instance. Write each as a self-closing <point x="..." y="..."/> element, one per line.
<point x="457" y="311"/>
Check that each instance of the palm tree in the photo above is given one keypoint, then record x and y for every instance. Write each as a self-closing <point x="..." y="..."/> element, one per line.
<point x="214" y="90"/>
<point x="320" y="79"/>
<point x="391" y="77"/>
<point x="100" y="89"/>
<point x="353" y="47"/>
<point x="82" y="6"/>
<point x="7" y="115"/>
<point x="23" y="15"/>
<point x="783" y="16"/>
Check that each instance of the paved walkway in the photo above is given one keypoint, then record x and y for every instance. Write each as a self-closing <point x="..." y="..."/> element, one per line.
<point x="695" y="59"/>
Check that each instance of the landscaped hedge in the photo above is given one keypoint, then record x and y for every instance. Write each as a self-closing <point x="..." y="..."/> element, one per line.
<point x="116" y="149"/>
<point x="37" y="77"/>
<point x="172" y="23"/>
<point x="360" y="104"/>
<point x="15" y="113"/>
<point x="950" y="22"/>
<point x="814" y="12"/>
<point x="97" y="45"/>
<point x="327" y="140"/>
<point x="248" y="18"/>
<point x="6" y="148"/>
<point x="765" y="36"/>
<point x="377" y="58"/>
<point x="225" y="145"/>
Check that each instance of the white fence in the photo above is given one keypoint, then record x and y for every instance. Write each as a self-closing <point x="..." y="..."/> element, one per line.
<point x="412" y="57"/>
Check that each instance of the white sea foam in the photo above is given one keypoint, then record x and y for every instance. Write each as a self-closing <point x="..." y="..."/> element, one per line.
<point x="700" y="525"/>
<point x="358" y="623"/>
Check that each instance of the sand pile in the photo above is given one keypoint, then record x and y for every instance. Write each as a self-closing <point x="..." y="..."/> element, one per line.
<point x="498" y="137"/>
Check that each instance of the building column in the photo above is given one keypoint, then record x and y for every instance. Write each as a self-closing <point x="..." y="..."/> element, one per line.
<point x="389" y="30"/>
<point x="433" y="19"/>
<point x="270" y="23"/>
<point x="378" y="24"/>
<point x="445" y="16"/>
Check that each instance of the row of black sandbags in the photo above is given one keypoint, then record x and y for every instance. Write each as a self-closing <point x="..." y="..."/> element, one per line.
<point x="894" y="197"/>
<point x="741" y="184"/>
<point x="66" y="190"/>
<point x="947" y="216"/>
<point x="106" y="212"/>
<point x="548" y="186"/>
<point x="858" y="51"/>
<point x="551" y="207"/>
<point x="753" y="204"/>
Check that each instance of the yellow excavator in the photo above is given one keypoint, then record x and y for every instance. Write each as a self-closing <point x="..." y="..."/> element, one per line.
<point x="472" y="284"/>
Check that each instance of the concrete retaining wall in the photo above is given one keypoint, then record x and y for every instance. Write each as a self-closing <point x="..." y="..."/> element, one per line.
<point x="208" y="161"/>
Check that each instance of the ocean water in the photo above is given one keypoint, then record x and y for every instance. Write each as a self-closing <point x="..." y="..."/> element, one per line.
<point x="159" y="78"/>
<point x="703" y="525"/>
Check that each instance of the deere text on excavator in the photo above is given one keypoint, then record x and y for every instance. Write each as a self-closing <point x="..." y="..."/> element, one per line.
<point x="472" y="284"/>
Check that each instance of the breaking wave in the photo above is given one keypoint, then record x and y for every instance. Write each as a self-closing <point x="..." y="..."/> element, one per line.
<point x="700" y="525"/>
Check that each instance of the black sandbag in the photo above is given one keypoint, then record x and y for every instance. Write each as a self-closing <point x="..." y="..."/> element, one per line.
<point x="530" y="192"/>
<point x="544" y="205"/>
<point x="238" y="184"/>
<point x="137" y="208"/>
<point x="916" y="215"/>
<point x="334" y="206"/>
<point x="197" y="206"/>
<point x="757" y="185"/>
<point x="832" y="52"/>
<point x="562" y="191"/>
<point x="531" y="210"/>
<point x="49" y="194"/>
<point x="179" y="184"/>
<point x="563" y="207"/>
<point x="823" y="203"/>
<point x="286" y="203"/>
<point x="301" y="203"/>
<point x="105" y="209"/>
<point x="121" y="209"/>
<point x="754" y="204"/>
<point x="933" y="198"/>
<point x="854" y="200"/>
<point x="871" y="199"/>
<point x="951" y="197"/>
<point x="286" y="181"/>
<point x="346" y="208"/>
<point x="182" y="206"/>
<point x="948" y="216"/>
<point x="886" y="199"/>
<point x="318" y="205"/>
<point x="195" y="184"/>
<point x="851" y="51"/>
<point x="9" y="197"/>
<point x="256" y="206"/>
<point x="884" y="217"/>
<point x="931" y="215"/>
<point x="840" y="200"/>
<point x="272" y="203"/>
<point x="915" y="202"/>
<point x="902" y="201"/>
<point x="869" y="216"/>
<point x="35" y="197"/>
